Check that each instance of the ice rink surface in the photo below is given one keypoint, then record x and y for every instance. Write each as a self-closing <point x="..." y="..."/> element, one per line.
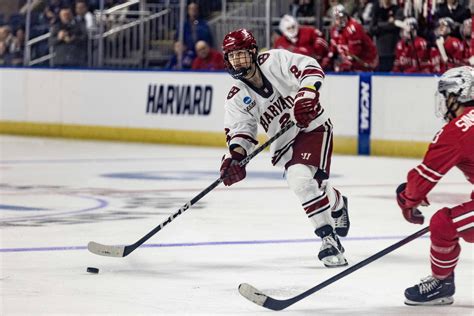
<point x="57" y="195"/>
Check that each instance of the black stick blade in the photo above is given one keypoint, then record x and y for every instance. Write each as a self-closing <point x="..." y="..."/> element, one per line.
<point x="105" y="250"/>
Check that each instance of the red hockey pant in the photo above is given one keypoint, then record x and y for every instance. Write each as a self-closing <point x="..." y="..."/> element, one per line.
<point x="446" y="226"/>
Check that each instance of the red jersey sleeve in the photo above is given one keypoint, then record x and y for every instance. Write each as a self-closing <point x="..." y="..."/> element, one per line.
<point x="398" y="54"/>
<point x="443" y="154"/>
<point x="282" y="43"/>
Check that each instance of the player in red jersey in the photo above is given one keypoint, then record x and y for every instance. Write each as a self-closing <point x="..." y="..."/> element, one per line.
<point x="450" y="48"/>
<point x="355" y="49"/>
<point x="466" y="34"/>
<point x="411" y="53"/>
<point x="329" y="61"/>
<point x="305" y="40"/>
<point x="453" y="146"/>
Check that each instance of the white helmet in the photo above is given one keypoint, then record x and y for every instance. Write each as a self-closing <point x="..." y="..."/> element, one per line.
<point x="289" y="27"/>
<point x="410" y="26"/>
<point x="454" y="89"/>
<point x="445" y="27"/>
<point x="340" y="16"/>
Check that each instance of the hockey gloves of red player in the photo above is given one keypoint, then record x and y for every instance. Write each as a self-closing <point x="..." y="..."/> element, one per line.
<point x="231" y="171"/>
<point x="306" y="106"/>
<point x="409" y="207"/>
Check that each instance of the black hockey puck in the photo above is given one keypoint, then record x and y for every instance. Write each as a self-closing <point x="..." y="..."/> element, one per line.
<point x="92" y="270"/>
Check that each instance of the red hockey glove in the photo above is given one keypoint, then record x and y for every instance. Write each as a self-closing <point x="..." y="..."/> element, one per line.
<point x="306" y="106"/>
<point x="409" y="207"/>
<point x="231" y="171"/>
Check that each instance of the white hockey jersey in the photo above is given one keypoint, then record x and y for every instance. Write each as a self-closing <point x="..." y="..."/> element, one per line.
<point x="284" y="73"/>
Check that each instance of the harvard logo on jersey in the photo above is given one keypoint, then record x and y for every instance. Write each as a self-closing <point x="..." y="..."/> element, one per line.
<point x="233" y="91"/>
<point x="262" y="58"/>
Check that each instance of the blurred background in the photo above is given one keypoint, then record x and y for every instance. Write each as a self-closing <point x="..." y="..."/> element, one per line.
<point x="424" y="36"/>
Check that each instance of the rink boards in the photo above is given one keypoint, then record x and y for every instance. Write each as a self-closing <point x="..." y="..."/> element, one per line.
<point x="375" y="114"/>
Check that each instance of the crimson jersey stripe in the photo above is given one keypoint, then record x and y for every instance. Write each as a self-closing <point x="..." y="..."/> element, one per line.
<point x="317" y="205"/>
<point x="312" y="72"/>
<point x="280" y="152"/>
<point x="246" y="137"/>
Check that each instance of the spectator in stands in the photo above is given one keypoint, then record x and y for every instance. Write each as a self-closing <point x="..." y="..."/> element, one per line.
<point x="466" y="34"/>
<point x="412" y="54"/>
<point x="83" y="15"/>
<point x="385" y="32"/>
<point x="206" y="7"/>
<point x="364" y="13"/>
<point x="302" y="8"/>
<point x="187" y="57"/>
<point x="51" y="11"/>
<point x="305" y="40"/>
<point x="3" y="54"/>
<point x="69" y="40"/>
<point x="450" y="48"/>
<point x="6" y="35"/>
<point x="6" y="45"/>
<point x="452" y="9"/>
<point x="18" y="48"/>
<point x="351" y="47"/>
<point x="207" y="58"/>
<point x="195" y="29"/>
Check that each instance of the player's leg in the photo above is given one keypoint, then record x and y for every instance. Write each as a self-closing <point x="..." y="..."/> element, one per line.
<point x="316" y="147"/>
<point x="316" y="204"/>
<point x="339" y="209"/>
<point x="446" y="226"/>
<point x="307" y="173"/>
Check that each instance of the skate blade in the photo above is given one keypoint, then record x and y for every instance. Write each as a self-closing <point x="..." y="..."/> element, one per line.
<point x="334" y="261"/>
<point x="440" y="301"/>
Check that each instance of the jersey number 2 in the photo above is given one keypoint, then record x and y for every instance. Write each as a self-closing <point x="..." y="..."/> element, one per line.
<point x="284" y="119"/>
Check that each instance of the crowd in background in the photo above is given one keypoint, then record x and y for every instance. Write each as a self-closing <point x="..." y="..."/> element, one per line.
<point x="427" y="36"/>
<point x="385" y="35"/>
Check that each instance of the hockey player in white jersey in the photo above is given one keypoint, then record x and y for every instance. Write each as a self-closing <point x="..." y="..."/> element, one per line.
<point x="271" y="89"/>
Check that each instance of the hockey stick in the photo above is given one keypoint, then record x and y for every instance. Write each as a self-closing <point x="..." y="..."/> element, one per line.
<point x="123" y="251"/>
<point x="259" y="298"/>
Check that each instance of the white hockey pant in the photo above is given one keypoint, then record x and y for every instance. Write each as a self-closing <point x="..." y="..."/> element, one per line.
<point x="317" y="201"/>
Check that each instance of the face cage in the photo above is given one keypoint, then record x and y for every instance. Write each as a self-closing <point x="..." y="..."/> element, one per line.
<point x="241" y="72"/>
<point x="291" y="34"/>
<point x="442" y="110"/>
<point x="343" y="20"/>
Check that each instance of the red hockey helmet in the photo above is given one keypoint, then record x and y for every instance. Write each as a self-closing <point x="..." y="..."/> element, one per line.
<point x="240" y="39"/>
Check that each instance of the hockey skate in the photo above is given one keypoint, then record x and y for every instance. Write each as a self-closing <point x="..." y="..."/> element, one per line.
<point x="331" y="252"/>
<point x="431" y="291"/>
<point x="341" y="219"/>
